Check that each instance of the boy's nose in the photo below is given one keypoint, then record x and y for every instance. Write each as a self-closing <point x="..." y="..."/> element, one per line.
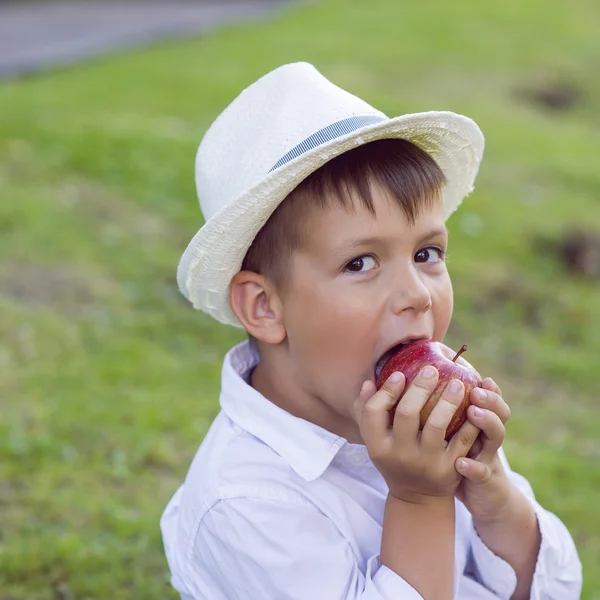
<point x="410" y="293"/>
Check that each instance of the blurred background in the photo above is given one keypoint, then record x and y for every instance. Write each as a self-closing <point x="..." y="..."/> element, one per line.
<point x="108" y="378"/>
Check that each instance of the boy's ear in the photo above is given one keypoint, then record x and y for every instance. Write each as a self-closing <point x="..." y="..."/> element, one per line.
<point x="254" y="301"/>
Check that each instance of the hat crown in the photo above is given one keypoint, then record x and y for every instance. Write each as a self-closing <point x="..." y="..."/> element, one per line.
<point x="263" y="124"/>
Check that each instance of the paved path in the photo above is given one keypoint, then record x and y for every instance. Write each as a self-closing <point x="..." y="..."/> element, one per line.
<point x="39" y="35"/>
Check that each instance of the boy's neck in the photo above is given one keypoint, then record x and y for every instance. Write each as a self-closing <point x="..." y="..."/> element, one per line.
<point x="277" y="384"/>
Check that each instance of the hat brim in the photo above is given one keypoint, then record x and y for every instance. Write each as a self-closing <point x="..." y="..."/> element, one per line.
<point x="216" y="252"/>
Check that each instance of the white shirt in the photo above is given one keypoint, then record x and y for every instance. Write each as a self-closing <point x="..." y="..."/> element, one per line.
<point x="276" y="508"/>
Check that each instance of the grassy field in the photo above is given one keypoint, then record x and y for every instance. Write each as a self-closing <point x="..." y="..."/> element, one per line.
<point x="109" y="380"/>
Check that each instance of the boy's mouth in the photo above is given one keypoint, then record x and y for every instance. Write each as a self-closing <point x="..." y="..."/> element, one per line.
<point x="389" y="353"/>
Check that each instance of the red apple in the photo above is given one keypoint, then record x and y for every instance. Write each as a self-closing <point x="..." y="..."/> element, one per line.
<point x="412" y="357"/>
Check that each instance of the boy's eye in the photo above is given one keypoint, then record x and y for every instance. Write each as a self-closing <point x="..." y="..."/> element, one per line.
<point x="361" y="264"/>
<point x="430" y="255"/>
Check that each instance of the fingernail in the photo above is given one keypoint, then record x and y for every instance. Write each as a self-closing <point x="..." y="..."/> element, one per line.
<point x="429" y="372"/>
<point x="455" y="386"/>
<point x="364" y="387"/>
<point x="477" y="412"/>
<point x="463" y="464"/>
<point x="482" y="395"/>
<point x="395" y="377"/>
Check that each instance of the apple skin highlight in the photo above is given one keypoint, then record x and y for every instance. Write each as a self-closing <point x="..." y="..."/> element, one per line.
<point x="412" y="357"/>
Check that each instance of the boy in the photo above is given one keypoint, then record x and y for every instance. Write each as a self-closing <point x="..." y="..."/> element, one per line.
<point x="325" y="240"/>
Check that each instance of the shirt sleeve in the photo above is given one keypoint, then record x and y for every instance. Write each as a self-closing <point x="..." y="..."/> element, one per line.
<point x="558" y="571"/>
<point x="265" y="548"/>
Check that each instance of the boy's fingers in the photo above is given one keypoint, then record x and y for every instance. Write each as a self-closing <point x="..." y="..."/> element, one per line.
<point x="434" y="431"/>
<point x="491" y="401"/>
<point x="492" y="428"/>
<point x="373" y="408"/>
<point x="477" y="446"/>
<point x="489" y="384"/>
<point x="463" y="440"/>
<point x="407" y="415"/>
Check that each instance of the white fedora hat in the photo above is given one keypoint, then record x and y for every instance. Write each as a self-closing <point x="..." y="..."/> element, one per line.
<point x="271" y="137"/>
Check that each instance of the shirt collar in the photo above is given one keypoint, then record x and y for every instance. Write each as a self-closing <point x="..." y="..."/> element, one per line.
<point x="306" y="447"/>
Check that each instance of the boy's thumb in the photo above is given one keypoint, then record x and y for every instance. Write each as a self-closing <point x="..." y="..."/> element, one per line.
<point x="473" y="470"/>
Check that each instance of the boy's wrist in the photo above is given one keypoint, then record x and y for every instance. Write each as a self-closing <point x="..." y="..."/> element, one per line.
<point x="415" y="499"/>
<point x="413" y="532"/>
<point x="516" y="516"/>
<point x="515" y="537"/>
<point x="508" y="502"/>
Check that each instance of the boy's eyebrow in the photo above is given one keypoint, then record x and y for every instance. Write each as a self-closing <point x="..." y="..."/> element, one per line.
<point x="353" y="243"/>
<point x="435" y="233"/>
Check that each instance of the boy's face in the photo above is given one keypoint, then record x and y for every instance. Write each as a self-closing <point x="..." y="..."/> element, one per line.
<point x="359" y="285"/>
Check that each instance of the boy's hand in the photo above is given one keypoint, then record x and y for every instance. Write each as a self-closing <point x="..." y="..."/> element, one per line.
<point x="485" y="489"/>
<point x="416" y="465"/>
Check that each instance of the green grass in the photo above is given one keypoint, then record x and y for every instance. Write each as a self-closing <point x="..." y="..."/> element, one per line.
<point x="109" y="380"/>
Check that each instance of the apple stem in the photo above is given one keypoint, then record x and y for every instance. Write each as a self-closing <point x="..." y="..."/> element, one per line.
<point x="459" y="352"/>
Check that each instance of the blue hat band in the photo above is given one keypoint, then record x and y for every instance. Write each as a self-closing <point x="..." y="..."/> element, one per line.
<point x="331" y="132"/>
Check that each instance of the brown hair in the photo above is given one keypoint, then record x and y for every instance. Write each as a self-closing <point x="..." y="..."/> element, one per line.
<point x="411" y="176"/>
